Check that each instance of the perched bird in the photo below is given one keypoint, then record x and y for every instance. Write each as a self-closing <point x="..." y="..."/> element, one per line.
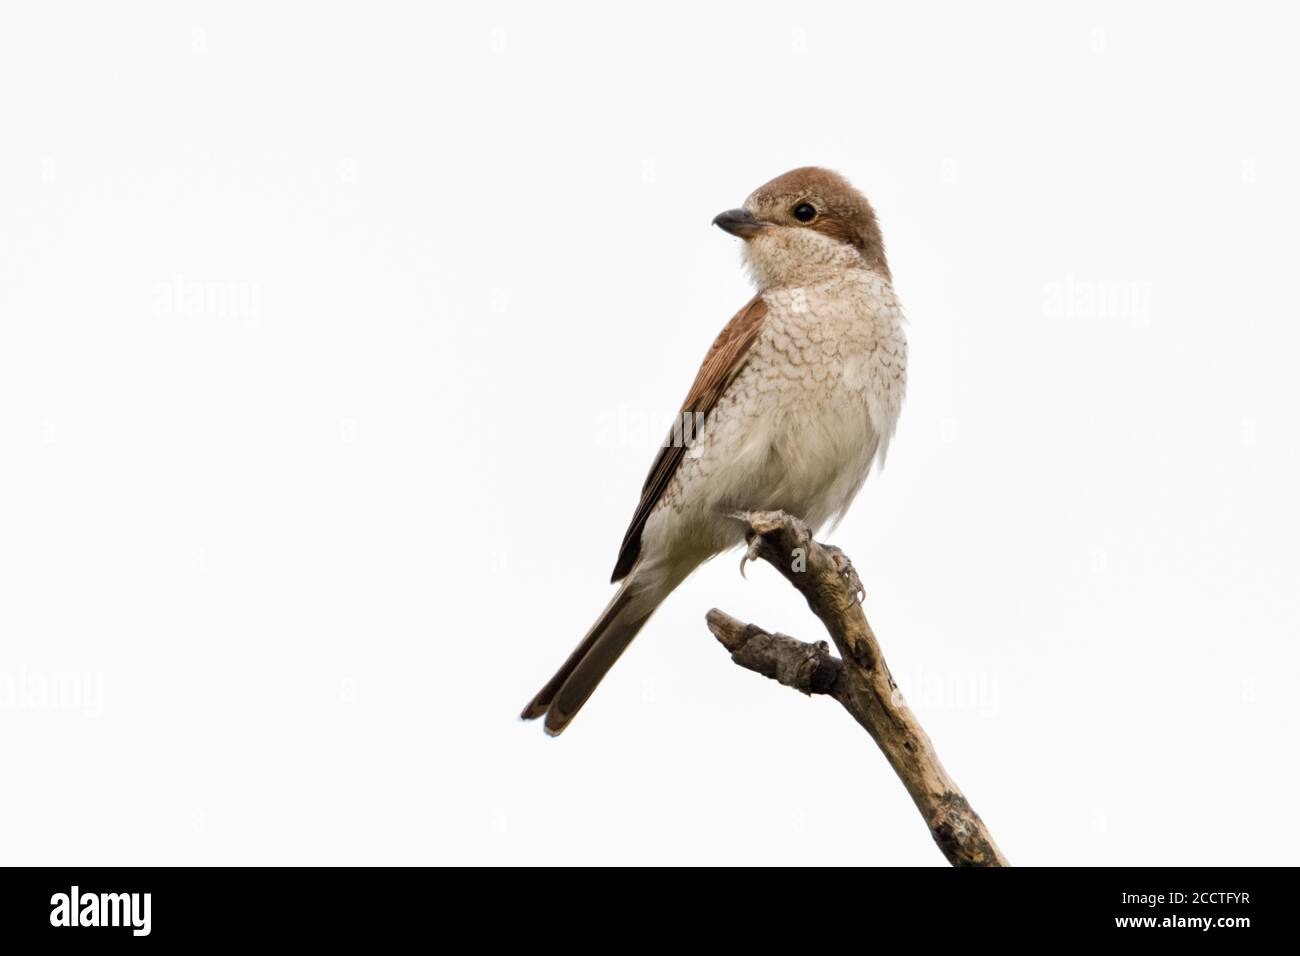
<point x="796" y="399"/>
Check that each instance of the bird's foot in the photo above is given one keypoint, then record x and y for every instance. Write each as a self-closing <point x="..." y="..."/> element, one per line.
<point x="763" y="524"/>
<point x="850" y="575"/>
<point x="751" y="553"/>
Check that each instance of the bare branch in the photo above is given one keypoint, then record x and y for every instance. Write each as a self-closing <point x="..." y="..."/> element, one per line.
<point x="808" y="668"/>
<point x="859" y="680"/>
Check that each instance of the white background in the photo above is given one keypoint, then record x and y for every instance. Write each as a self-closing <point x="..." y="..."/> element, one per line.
<point x="335" y="343"/>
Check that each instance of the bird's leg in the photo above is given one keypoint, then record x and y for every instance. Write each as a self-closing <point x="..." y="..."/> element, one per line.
<point x="850" y="575"/>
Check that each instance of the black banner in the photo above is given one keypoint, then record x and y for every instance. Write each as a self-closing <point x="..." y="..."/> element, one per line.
<point x="199" y="905"/>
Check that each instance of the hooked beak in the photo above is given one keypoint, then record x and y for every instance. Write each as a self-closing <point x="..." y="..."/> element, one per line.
<point x="739" y="222"/>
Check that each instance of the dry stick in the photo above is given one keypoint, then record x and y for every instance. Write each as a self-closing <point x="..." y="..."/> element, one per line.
<point x="859" y="680"/>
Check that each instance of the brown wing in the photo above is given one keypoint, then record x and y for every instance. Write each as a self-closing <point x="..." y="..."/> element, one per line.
<point x="725" y="360"/>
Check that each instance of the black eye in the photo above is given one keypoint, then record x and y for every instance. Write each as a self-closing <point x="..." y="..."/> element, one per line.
<point x="804" y="212"/>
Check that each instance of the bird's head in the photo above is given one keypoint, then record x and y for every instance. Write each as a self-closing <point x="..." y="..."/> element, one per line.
<point x="803" y="224"/>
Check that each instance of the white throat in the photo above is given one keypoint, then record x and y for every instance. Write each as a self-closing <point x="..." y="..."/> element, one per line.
<point x="783" y="256"/>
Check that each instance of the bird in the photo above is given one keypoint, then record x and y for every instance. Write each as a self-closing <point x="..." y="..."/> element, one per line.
<point x="796" y="400"/>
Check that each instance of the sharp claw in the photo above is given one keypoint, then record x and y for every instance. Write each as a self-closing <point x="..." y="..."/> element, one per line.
<point x="751" y="553"/>
<point x="848" y="573"/>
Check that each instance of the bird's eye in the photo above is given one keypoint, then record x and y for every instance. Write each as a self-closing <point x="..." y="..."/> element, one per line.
<point x="805" y="212"/>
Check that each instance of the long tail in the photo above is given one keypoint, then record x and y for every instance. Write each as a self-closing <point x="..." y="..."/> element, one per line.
<point x="566" y="692"/>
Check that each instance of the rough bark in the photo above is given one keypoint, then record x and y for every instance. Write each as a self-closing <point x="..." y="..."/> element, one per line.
<point x="859" y="679"/>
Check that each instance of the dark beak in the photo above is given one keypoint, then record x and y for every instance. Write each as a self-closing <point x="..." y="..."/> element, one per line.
<point x="738" y="222"/>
